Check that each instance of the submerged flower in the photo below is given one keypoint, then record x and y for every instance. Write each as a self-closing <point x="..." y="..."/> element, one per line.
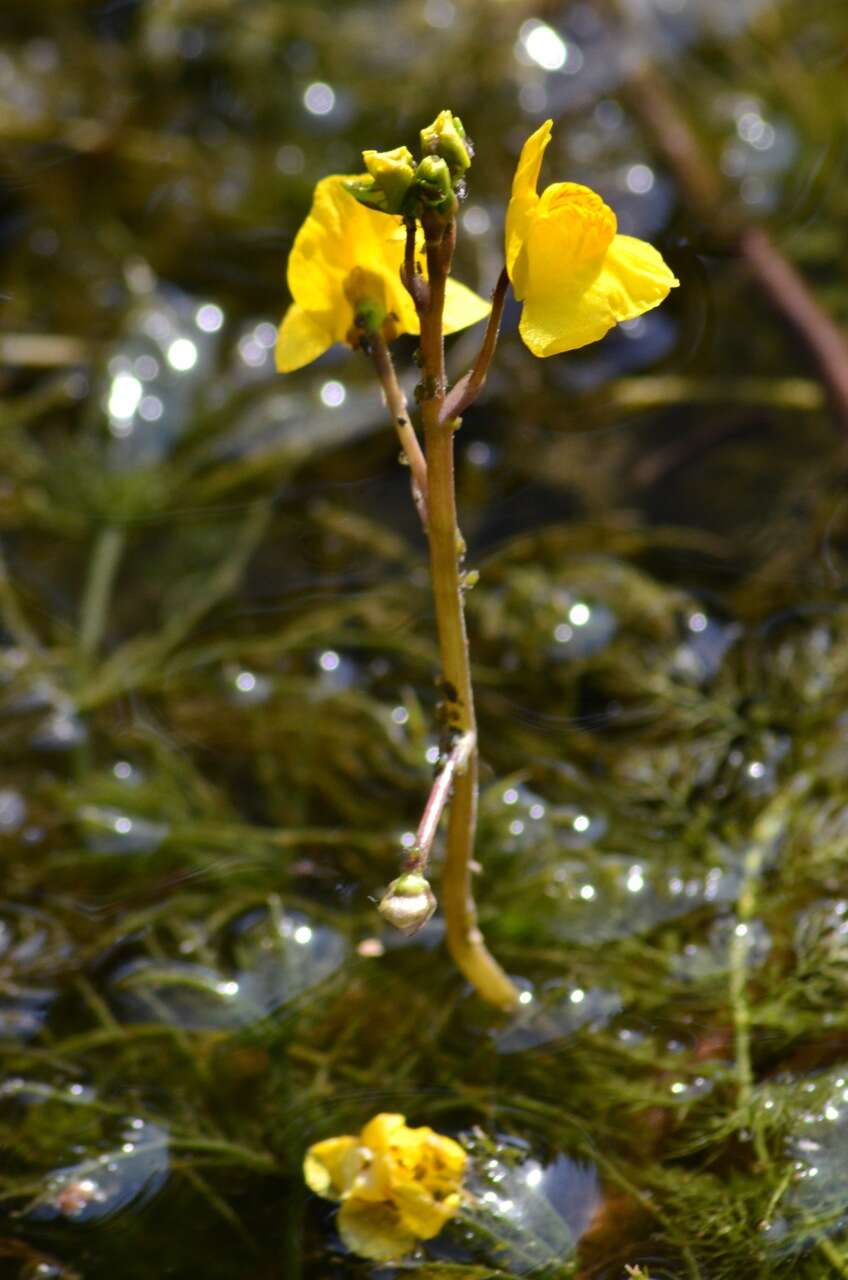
<point x="396" y="1185"/>
<point x="344" y="277"/>
<point x="576" y="277"/>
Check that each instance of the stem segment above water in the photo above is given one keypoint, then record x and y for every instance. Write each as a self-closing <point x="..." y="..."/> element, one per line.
<point x="396" y="403"/>
<point x="463" y="934"/>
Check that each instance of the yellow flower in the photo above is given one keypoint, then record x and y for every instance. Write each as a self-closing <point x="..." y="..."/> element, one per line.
<point x="344" y="264"/>
<point x="396" y="1185"/>
<point x="575" y="276"/>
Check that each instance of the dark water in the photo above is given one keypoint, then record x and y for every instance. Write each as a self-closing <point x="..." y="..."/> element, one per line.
<point x="217" y="657"/>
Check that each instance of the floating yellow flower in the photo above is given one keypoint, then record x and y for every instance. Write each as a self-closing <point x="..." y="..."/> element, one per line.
<point x="575" y="276"/>
<point x="345" y="266"/>
<point x="396" y="1185"/>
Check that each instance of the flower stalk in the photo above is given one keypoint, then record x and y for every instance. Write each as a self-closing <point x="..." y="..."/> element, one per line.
<point x="464" y="392"/>
<point x="396" y="404"/>
<point x="371" y="262"/>
<point x="440" y="793"/>
<point x="465" y="941"/>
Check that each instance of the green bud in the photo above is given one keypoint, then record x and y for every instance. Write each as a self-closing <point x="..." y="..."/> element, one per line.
<point x="433" y="184"/>
<point x="393" y="173"/>
<point x="445" y="137"/>
<point x="408" y="902"/>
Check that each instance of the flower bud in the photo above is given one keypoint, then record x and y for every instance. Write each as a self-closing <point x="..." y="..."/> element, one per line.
<point x="434" y="186"/>
<point x="408" y="902"/>
<point x="393" y="173"/>
<point x="445" y="137"/>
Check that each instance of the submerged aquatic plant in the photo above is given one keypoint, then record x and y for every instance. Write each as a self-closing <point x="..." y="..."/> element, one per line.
<point x="372" y="261"/>
<point x="396" y="1185"/>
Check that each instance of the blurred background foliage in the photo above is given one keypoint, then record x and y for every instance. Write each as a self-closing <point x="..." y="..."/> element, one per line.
<point x="218" y="669"/>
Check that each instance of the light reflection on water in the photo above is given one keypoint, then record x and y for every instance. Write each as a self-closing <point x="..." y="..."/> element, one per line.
<point x="276" y="958"/>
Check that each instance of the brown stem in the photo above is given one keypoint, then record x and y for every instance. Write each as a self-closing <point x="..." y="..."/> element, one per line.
<point x="396" y="403"/>
<point x="788" y="291"/>
<point x="414" y="283"/>
<point x="704" y="191"/>
<point x="456" y="761"/>
<point x="464" y="938"/>
<point x="467" y="389"/>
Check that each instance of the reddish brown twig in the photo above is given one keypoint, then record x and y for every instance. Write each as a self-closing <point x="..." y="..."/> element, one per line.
<point x="414" y="283"/>
<point x="455" y="762"/>
<point x="466" y="391"/>
<point x="704" y="191"/>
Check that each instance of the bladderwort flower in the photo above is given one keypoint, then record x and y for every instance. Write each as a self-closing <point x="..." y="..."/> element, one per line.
<point x="574" y="274"/>
<point x="396" y="1185"/>
<point x="344" y="278"/>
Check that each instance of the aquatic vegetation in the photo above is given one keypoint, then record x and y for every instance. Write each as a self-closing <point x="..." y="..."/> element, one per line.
<point x="218" y="715"/>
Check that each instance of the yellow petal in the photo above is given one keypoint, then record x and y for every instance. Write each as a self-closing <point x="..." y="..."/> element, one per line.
<point x="633" y="279"/>
<point x="447" y="1158"/>
<point x="301" y="338"/>
<point x="426" y="1172"/>
<point x="562" y="322"/>
<point x="421" y="1213"/>
<point x="584" y="223"/>
<point x="565" y="243"/>
<point x="374" y="1231"/>
<point x="341" y="238"/>
<point x="524" y="198"/>
<point x="463" y="307"/>
<point x="330" y="1167"/>
<point x="379" y="1132"/>
<point x="529" y="166"/>
<point x="317" y="262"/>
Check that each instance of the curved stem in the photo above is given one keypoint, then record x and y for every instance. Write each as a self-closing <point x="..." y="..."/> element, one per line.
<point x="467" y="389"/>
<point x="440" y="793"/>
<point x="396" y="403"/>
<point x="414" y="283"/>
<point x="464" y="938"/>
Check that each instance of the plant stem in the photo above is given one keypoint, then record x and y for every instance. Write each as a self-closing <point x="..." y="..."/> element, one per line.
<point x="767" y="830"/>
<point x="103" y="566"/>
<point x="464" y="938"/>
<point x="466" y="391"/>
<point x="703" y="190"/>
<point x="396" y="402"/>
<point x="455" y="763"/>
<point x="830" y="1251"/>
<point x="415" y="284"/>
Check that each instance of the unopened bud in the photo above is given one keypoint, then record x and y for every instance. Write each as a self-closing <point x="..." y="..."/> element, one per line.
<point x="408" y="902"/>
<point x="445" y="137"/>
<point x="393" y="173"/>
<point x="433" y="182"/>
